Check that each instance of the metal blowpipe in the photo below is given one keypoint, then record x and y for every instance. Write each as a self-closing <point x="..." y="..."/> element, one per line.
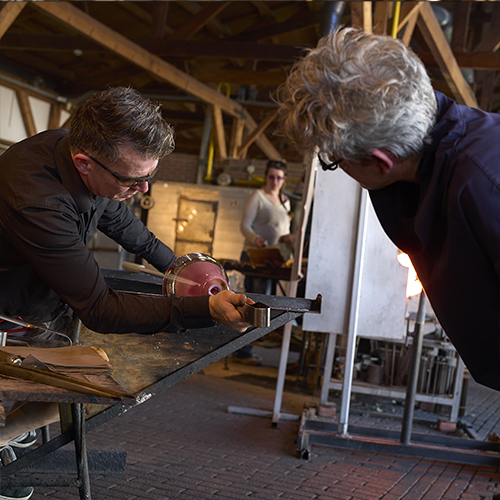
<point x="139" y="268"/>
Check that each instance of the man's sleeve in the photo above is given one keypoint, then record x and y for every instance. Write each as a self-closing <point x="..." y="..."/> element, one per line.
<point x="120" y="224"/>
<point x="50" y="242"/>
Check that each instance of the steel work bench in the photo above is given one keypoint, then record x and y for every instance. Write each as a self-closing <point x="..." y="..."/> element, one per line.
<point x="144" y="365"/>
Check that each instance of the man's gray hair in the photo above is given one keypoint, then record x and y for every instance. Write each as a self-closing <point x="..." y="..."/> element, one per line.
<point x="357" y="92"/>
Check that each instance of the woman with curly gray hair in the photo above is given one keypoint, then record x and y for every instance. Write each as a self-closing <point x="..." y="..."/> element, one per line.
<point x="366" y="103"/>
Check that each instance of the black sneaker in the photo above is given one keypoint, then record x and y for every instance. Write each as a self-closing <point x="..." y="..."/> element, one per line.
<point x="24" y="440"/>
<point x="7" y="456"/>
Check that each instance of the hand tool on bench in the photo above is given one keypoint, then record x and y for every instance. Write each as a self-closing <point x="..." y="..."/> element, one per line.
<point x="10" y="365"/>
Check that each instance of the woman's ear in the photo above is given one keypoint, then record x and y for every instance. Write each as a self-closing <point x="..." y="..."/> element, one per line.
<point x="383" y="160"/>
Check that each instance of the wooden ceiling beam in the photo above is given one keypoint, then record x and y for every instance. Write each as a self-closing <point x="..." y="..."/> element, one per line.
<point x="26" y="113"/>
<point x="265" y="10"/>
<point x="408" y="11"/>
<point x="162" y="48"/>
<point x="409" y="14"/>
<point x="236" y="137"/>
<point x="473" y="60"/>
<point x="298" y="21"/>
<point x="159" y="22"/>
<point x="361" y="15"/>
<point x="461" y="19"/>
<point x="491" y="42"/>
<point x="47" y="43"/>
<point x="141" y="14"/>
<point x="214" y="24"/>
<point x="208" y="12"/>
<point x="220" y="135"/>
<point x="55" y="115"/>
<point x="256" y="133"/>
<point x="381" y="16"/>
<point x="487" y="91"/>
<point x="8" y="14"/>
<point x="433" y="35"/>
<point x="37" y="64"/>
<point x="243" y="77"/>
<point x="91" y="28"/>
<point x="240" y="50"/>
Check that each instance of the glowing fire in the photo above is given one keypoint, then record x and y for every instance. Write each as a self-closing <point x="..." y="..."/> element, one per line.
<point x="413" y="285"/>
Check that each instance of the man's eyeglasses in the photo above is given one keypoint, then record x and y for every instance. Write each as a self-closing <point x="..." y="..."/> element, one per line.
<point x="275" y="177"/>
<point x="327" y="164"/>
<point x="123" y="180"/>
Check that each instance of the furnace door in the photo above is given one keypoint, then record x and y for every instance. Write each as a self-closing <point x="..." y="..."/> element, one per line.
<point x="195" y="226"/>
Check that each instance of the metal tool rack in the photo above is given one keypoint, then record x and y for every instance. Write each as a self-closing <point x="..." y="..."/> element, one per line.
<point x="319" y="430"/>
<point x="451" y="399"/>
<point x="162" y="360"/>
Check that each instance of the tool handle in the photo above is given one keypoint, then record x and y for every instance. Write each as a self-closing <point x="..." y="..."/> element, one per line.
<point x="258" y="314"/>
<point x="55" y="379"/>
<point x="7" y="357"/>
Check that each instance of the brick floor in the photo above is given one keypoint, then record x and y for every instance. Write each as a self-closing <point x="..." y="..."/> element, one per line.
<point x="185" y="445"/>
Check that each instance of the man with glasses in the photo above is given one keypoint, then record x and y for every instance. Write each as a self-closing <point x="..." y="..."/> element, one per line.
<point x="56" y="190"/>
<point x="366" y="103"/>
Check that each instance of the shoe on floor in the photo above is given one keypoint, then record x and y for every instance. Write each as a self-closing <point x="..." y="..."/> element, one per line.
<point x="7" y="456"/>
<point x="247" y="360"/>
<point x="24" y="440"/>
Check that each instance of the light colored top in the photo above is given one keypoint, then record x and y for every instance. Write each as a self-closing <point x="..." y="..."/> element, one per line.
<point x="262" y="217"/>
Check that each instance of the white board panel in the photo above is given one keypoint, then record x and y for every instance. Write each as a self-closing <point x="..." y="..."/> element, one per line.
<point x="64" y="116"/>
<point x="383" y="285"/>
<point x="382" y="300"/>
<point x="12" y="127"/>
<point x="331" y="247"/>
<point x="41" y="112"/>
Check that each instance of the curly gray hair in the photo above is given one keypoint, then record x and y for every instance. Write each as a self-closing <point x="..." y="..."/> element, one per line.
<point x="357" y="92"/>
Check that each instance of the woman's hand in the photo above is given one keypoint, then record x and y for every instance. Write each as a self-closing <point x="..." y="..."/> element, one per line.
<point x="259" y="242"/>
<point x="289" y="238"/>
<point x="227" y="308"/>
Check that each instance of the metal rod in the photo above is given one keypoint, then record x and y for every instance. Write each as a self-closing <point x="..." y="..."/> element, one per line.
<point x="354" y="312"/>
<point x="280" y="382"/>
<point x="19" y="322"/>
<point x="82" y="466"/>
<point x="139" y="268"/>
<point x="331" y="339"/>
<point x="411" y="388"/>
<point x="295" y="275"/>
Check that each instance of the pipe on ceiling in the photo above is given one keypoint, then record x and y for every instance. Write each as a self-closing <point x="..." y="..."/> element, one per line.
<point x="332" y="15"/>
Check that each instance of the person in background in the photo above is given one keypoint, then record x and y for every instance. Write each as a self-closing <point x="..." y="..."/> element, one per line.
<point x="265" y="223"/>
<point x="266" y="215"/>
<point x="431" y="167"/>
<point x="57" y="189"/>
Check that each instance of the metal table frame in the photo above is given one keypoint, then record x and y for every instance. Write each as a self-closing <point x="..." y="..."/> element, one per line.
<point x="289" y="309"/>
